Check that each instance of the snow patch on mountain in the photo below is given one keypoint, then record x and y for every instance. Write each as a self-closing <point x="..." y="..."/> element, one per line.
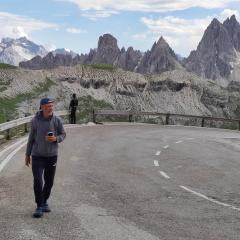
<point x="13" y="51"/>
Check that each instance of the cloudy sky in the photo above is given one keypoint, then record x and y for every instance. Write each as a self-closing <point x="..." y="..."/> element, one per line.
<point x="77" y="24"/>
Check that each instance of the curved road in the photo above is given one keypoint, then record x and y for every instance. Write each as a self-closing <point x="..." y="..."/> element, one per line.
<point x="130" y="182"/>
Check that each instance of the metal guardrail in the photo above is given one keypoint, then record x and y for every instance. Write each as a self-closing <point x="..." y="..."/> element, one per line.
<point x="15" y="123"/>
<point x="131" y="114"/>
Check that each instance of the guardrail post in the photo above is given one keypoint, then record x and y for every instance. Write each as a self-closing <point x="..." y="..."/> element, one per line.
<point x="25" y="128"/>
<point x="25" y="125"/>
<point x="130" y="116"/>
<point x="93" y="116"/>
<point x="167" y="118"/>
<point x="8" y="132"/>
<point x="203" y="119"/>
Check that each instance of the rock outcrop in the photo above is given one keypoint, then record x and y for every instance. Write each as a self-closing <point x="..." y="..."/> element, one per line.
<point x="233" y="28"/>
<point x="159" y="59"/>
<point x="49" y="61"/>
<point x="216" y="53"/>
<point x="129" y="59"/>
<point x="174" y="91"/>
<point x="107" y="51"/>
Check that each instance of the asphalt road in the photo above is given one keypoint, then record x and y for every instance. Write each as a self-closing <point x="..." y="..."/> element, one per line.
<point x="129" y="182"/>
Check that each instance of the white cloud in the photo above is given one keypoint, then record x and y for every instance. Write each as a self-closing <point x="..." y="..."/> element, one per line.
<point x="140" y="36"/>
<point x="228" y="13"/>
<point x="183" y="35"/>
<point x="109" y="7"/>
<point x="75" y="30"/>
<point x="15" y="26"/>
<point x="19" y="31"/>
<point x="94" y="15"/>
<point x="176" y="26"/>
<point x="49" y="46"/>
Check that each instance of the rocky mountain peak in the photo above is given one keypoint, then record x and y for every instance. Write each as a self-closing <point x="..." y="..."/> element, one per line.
<point x="13" y="51"/>
<point x="107" y="41"/>
<point x="107" y="51"/>
<point x="233" y="28"/>
<point x="159" y="59"/>
<point x="215" y="53"/>
<point x="231" y="20"/>
<point x="51" y="60"/>
<point x="215" y="23"/>
<point x="162" y="43"/>
<point x="216" y="39"/>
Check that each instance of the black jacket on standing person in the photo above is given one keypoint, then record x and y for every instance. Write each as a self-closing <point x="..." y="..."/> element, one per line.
<point x="73" y="108"/>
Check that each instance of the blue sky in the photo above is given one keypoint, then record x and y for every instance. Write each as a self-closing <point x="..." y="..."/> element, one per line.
<point x="77" y="24"/>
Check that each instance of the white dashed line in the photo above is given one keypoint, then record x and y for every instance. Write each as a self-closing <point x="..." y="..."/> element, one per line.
<point x="158" y="153"/>
<point x="164" y="174"/>
<point x="190" y="138"/>
<point x="210" y="199"/>
<point x="165" y="147"/>
<point x="179" y="166"/>
<point x="179" y="142"/>
<point x="156" y="163"/>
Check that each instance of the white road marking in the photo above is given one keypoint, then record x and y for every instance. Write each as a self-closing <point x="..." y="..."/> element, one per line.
<point x="156" y="163"/>
<point x="8" y="158"/>
<point x="11" y="146"/>
<point x="164" y="174"/>
<point x="165" y="147"/>
<point x="190" y="138"/>
<point x="158" y="153"/>
<point x="210" y="199"/>
<point x="179" y="142"/>
<point x="179" y="166"/>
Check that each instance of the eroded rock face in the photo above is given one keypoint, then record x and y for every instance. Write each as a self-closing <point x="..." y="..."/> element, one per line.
<point x="129" y="59"/>
<point x="50" y="61"/>
<point x="233" y="28"/>
<point x="175" y="91"/>
<point x="166" y="85"/>
<point x="107" y="51"/>
<point x="159" y="59"/>
<point x="216" y="52"/>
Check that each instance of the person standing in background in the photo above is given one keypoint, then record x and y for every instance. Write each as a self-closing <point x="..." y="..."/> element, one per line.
<point x="42" y="152"/>
<point x="73" y="108"/>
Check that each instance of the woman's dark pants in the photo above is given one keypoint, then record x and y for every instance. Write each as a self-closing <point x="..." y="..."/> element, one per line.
<point x="43" y="169"/>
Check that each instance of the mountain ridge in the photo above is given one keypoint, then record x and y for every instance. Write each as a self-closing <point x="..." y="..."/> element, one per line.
<point x="217" y="55"/>
<point x="13" y="51"/>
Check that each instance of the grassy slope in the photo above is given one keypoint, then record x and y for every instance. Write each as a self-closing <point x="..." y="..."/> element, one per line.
<point x="8" y="105"/>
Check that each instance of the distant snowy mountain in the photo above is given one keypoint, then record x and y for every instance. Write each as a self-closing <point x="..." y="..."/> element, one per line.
<point x="13" y="51"/>
<point x="64" y="51"/>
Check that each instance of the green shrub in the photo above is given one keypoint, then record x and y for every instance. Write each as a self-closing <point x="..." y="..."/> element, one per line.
<point x="7" y="66"/>
<point x="8" y="105"/>
<point x="103" y="66"/>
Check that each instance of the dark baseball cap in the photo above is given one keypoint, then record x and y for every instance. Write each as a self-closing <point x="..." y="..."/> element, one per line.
<point x="46" y="100"/>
